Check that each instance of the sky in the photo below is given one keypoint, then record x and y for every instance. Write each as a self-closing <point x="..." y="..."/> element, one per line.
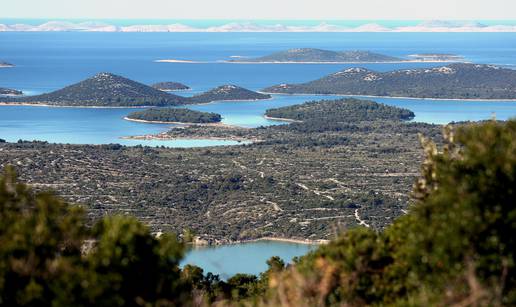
<point x="262" y="9"/>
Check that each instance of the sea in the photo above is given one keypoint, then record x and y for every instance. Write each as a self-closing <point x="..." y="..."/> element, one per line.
<point x="46" y="61"/>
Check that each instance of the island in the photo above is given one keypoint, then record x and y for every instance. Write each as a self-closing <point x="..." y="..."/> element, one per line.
<point x="103" y="90"/>
<point x="10" y="92"/>
<point x="170" y="86"/>
<point x="350" y="110"/>
<point x="174" y="115"/>
<point x="455" y="81"/>
<point x="313" y="55"/>
<point x="5" y="64"/>
<point x="436" y="57"/>
<point x="228" y="93"/>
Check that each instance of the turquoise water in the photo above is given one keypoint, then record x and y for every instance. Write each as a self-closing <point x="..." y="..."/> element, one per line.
<point x="250" y="258"/>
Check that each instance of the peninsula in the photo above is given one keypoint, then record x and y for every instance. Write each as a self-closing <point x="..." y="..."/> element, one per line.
<point x="174" y="115"/>
<point x="103" y="90"/>
<point x="170" y="86"/>
<point x="228" y="93"/>
<point x="455" y="81"/>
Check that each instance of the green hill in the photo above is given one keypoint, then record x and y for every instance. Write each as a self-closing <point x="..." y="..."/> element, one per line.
<point x="342" y="110"/>
<point x="175" y="115"/>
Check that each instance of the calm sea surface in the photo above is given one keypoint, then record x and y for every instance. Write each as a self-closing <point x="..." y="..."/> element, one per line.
<point x="49" y="61"/>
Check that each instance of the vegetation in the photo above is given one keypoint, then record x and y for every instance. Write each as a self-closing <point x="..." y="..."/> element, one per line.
<point x="455" y="81"/>
<point x="348" y="110"/>
<point x="319" y="55"/>
<point x="175" y="115"/>
<point x="453" y="247"/>
<point x="302" y="180"/>
<point x="170" y="86"/>
<point x="8" y="91"/>
<point x="104" y="90"/>
<point x="228" y="92"/>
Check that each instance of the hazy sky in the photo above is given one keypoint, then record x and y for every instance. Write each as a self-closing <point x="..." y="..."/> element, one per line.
<point x="262" y="9"/>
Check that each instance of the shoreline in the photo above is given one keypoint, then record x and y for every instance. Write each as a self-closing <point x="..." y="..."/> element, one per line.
<point x="25" y="104"/>
<point x="217" y="124"/>
<point x="394" y="97"/>
<point x="199" y="242"/>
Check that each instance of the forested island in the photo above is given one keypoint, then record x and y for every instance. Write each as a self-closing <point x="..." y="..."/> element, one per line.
<point x="170" y="86"/>
<point x="228" y="92"/>
<point x="455" y="81"/>
<point x="174" y="115"/>
<point x="103" y="90"/>
<point x="312" y="55"/>
<point x="10" y="92"/>
<point x="351" y="110"/>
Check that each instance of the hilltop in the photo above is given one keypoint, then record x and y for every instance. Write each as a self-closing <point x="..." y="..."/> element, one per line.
<point x="228" y="92"/>
<point x="312" y="55"/>
<point x="174" y="115"/>
<point x="104" y="90"/>
<point x="455" y="81"/>
<point x="170" y="86"/>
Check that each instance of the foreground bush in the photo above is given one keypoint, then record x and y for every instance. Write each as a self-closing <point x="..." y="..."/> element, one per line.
<point x="455" y="246"/>
<point x="42" y="262"/>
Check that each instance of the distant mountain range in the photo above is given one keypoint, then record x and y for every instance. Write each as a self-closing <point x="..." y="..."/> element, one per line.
<point x="455" y="81"/>
<point x="260" y="26"/>
<point x="228" y="92"/>
<point x="312" y="55"/>
<point x="109" y="90"/>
